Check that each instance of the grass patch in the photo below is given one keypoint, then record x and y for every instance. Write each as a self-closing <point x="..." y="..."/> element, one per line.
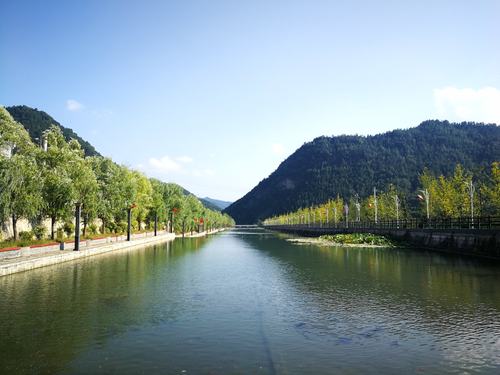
<point x="358" y="239"/>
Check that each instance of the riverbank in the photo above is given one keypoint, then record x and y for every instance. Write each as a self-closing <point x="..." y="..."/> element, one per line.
<point x="483" y="243"/>
<point x="29" y="261"/>
<point x="324" y="242"/>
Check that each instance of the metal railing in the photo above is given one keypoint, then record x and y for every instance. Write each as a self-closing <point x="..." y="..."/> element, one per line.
<point x="482" y="222"/>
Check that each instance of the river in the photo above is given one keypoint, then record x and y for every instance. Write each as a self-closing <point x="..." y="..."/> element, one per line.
<point x="247" y="301"/>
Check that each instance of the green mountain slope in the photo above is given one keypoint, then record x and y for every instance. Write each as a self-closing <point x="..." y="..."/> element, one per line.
<point x="209" y="204"/>
<point x="216" y="203"/>
<point x="35" y="122"/>
<point x="346" y="165"/>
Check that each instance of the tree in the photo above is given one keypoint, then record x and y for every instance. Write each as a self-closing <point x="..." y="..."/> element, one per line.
<point x="21" y="194"/>
<point x="57" y="189"/>
<point x="20" y="178"/>
<point x="142" y="197"/>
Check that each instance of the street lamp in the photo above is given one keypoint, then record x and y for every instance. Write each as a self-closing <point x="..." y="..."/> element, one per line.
<point x="129" y="220"/>
<point x="471" y="188"/>
<point x="375" y="202"/>
<point x="358" y="207"/>
<point x="346" y="212"/>
<point x="396" y="202"/>
<point x="425" y="196"/>
<point x="78" y="213"/>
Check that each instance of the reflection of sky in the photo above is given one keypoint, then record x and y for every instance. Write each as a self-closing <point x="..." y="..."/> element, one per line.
<point x="439" y="304"/>
<point x="247" y="303"/>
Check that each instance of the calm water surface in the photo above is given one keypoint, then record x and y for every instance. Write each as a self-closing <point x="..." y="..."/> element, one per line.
<point x="249" y="302"/>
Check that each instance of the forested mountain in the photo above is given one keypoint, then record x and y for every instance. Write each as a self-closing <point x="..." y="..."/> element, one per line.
<point x="348" y="165"/>
<point x="216" y="202"/>
<point x="209" y="204"/>
<point x="36" y="122"/>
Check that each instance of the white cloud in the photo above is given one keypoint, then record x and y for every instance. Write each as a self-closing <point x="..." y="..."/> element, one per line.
<point x="278" y="149"/>
<point x="73" y="105"/>
<point x="165" y="164"/>
<point x="184" y="159"/>
<point x="206" y="172"/>
<point x="482" y="105"/>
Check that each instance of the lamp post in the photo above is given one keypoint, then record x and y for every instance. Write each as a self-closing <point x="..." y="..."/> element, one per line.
<point x="425" y="196"/>
<point x="375" y="202"/>
<point x="156" y="223"/>
<point x="129" y="221"/>
<point x="471" y="188"/>
<point x="346" y="212"/>
<point x="78" y="213"/>
<point x="335" y="215"/>
<point x="358" y="207"/>
<point x="396" y="202"/>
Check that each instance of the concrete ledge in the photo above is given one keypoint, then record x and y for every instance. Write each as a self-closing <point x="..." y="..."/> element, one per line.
<point x="47" y="259"/>
<point x="483" y="243"/>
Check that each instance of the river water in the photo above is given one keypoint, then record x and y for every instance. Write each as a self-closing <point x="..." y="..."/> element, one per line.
<point x="250" y="302"/>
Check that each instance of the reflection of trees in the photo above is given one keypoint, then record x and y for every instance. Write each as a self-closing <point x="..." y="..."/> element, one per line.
<point x="450" y="300"/>
<point x="48" y="315"/>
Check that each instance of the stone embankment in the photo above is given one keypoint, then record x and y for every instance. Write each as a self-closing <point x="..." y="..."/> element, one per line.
<point x="483" y="243"/>
<point x="28" y="258"/>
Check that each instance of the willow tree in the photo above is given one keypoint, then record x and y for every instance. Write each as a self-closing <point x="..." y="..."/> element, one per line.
<point x="20" y="178"/>
<point x="142" y="197"/>
<point x="55" y="166"/>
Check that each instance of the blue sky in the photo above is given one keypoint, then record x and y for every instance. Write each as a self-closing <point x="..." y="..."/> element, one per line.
<point x="215" y="94"/>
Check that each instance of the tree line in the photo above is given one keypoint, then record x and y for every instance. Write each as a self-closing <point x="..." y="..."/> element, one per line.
<point x="350" y="164"/>
<point x="47" y="182"/>
<point x="453" y="196"/>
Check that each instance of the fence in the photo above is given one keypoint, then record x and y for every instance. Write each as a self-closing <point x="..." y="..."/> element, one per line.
<point x="482" y="222"/>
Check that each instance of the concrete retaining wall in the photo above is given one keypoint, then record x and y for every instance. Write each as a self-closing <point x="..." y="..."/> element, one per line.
<point x="475" y="242"/>
<point x="20" y="264"/>
<point x="27" y="258"/>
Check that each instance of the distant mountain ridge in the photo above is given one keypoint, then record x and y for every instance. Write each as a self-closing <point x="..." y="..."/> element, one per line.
<point x="347" y="165"/>
<point x="216" y="202"/>
<point x="36" y="122"/>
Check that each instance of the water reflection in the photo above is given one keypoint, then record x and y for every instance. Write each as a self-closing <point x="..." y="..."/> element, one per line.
<point x="248" y="301"/>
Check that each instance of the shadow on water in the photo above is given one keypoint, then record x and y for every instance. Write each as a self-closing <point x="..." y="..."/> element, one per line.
<point x="447" y="305"/>
<point x="49" y="314"/>
<point x="248" y="301"/>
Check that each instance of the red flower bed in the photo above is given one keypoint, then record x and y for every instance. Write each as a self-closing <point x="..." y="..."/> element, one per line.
<point x="9" y="249"/>
<point x="44" y="245"/>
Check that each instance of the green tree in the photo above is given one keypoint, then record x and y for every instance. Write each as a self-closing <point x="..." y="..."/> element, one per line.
<point x="21" y="193"/>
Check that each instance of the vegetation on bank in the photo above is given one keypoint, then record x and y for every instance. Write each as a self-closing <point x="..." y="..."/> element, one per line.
<point x="343" y="166"/>
<point x="358" y="239"/>
<point x="37" y="183"/>
<point x="447" y="197"/>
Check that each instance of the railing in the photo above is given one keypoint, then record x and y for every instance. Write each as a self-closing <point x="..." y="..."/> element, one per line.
<point x="484" y="222"/>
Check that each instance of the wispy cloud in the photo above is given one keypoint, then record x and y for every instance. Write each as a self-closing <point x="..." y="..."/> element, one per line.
<point x="278" y="149"/>
<point x="184" y="159"/>
<point x="468" y="104"/>
<point x="203" y="172"/>
<point x="73" y="105"/>
<point x="164" y="164"/>
<point x="170" y="164"/>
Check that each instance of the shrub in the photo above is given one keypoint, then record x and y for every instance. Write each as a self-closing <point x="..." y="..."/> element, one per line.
<point x="121" y="227"/>
<point x="111" y="226"/>
<point x="93" y="229"/>
<point x="69" y="228"/>
<point x="26" y="236"/>
<point x="39" y="231"/>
